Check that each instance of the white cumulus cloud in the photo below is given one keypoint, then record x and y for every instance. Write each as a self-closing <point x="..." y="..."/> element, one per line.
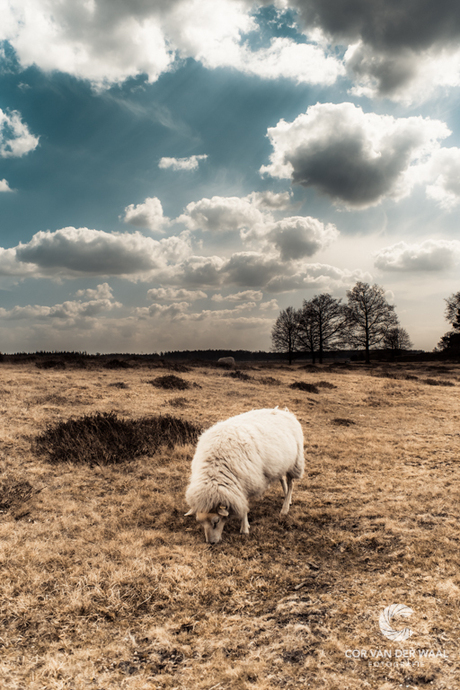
<point x="430" y="255"/>
<point x="176" y="294"/>
<point x="222" y="214"/>
<point x="107" y="42"/>
<point x="147" y="215"/>
<point x="190" y="163"/>
<point x="15" y="138"/>
<point x="444" y="171"/>
<point x="4" y="186"/>
<point x="244" y="296"/>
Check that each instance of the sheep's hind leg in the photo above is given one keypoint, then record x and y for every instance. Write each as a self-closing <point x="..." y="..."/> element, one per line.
<point x="284" y="485"/>
<point x="287" y="496"/>
<point x="244" y="524"/>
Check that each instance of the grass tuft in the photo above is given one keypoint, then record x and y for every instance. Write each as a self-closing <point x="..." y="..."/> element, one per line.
<point x="438" y="382"/>
<point x="240" y="375"/>
<point x="303" y="386"/>
<point x="50" y="364"/>
<point x="178" y="402"/>
<point x="342" y="421"/>
<point x="14" y="493"/>
<point x="117" y="364"/>
<point x="269" y="381"/>
<point x="105" y="439"/>
<point x="170" y="382"/>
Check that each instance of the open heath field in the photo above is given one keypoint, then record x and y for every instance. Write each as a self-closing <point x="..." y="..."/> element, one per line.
<point x="105" y="584"/>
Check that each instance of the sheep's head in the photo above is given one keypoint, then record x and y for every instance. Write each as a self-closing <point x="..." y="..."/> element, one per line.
<point x="213" y="523"/>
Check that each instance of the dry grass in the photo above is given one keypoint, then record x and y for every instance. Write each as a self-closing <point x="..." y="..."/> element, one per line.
<point x="106" y="585"/>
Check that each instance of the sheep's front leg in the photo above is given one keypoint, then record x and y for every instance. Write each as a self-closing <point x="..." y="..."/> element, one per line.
<point x="288" y="497"/>
<point x="244" y="524"/>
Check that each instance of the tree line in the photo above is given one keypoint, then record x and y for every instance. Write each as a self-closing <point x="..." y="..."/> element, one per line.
<point x="323" y="323"/>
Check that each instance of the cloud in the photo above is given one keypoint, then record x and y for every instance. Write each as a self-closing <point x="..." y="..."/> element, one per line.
<point x="180" y="311"/>
<point x="405" y="75"/>
<point x="283" y="58"/>
<point x="10" y="266"/>
<point x="402" y="50"/>
<point x="431" y="255"/>
<point x="107" y="42"/>
<point x="272" y="201"/>
<point x="147" y="215"/>
<point x="317" y="276"/>
<point x="295" y="237"/>
<point x="173" y="294"/>
<point x="193" y="272"/>
<point x="272" y="305"/>
<point x="251" y="269"/>
<point x="98" y="40"/>
<point x="444" y="170"/>
<point x="15" y="138"/>
<point x="190" y="163"/>
<point x="76" y="251"/>
<point x="4" y="186"/>
<point x="396" y="49"/>
<point x="222" y="214"/>
<point x="173" y="312"/>
<point x="244" y="296"/>
<point x="102" y="291"/>
<point x="70" y="312"/>
<point x="355" y="158"/>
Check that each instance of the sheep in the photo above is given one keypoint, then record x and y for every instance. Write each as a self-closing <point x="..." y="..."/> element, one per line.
<point x="236" y="460"/>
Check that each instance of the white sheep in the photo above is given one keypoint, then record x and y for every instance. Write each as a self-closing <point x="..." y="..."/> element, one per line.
<point x="237" y="460"/>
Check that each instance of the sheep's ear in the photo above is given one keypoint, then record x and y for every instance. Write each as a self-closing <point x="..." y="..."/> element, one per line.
<point x="222" y="510"/>
<point x="190" y="512"/>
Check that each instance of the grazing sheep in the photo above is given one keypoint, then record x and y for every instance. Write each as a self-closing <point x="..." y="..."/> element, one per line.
<point x="238" y="459"/>
<point x="226" y="362"/>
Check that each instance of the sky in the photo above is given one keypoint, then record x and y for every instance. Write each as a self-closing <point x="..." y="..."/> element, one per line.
<point x="173" y="173"/>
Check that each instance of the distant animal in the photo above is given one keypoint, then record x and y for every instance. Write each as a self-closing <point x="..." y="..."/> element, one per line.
<point x="236" y="460"/>
<point x="226" y="362"/>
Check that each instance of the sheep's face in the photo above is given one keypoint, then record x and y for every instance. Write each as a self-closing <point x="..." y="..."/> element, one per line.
<point x="213" y="524"/>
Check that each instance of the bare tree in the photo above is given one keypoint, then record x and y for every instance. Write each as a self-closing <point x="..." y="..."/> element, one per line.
<point x="397" y="339"/>
<point x="330" y="319"/>
<point x="321" y="323"/>
<point x="451" y="340"/>
<point x="307" y="337"/>
<point x="452" y="311"/>
<point x="285" y="332"/>
<point x="369" y="316"/>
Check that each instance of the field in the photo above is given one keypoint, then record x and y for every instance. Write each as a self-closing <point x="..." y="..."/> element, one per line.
<point x="105" y="584"/>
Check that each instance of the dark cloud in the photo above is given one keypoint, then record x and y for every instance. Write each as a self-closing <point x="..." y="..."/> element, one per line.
<point x="390" y="39"/>
<point x="384" y="24"/>
<point x="251" y="269"/>
<point x="351" y="156"/>
<point x="86" y="251"/>
<point x="300" y="236"/>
